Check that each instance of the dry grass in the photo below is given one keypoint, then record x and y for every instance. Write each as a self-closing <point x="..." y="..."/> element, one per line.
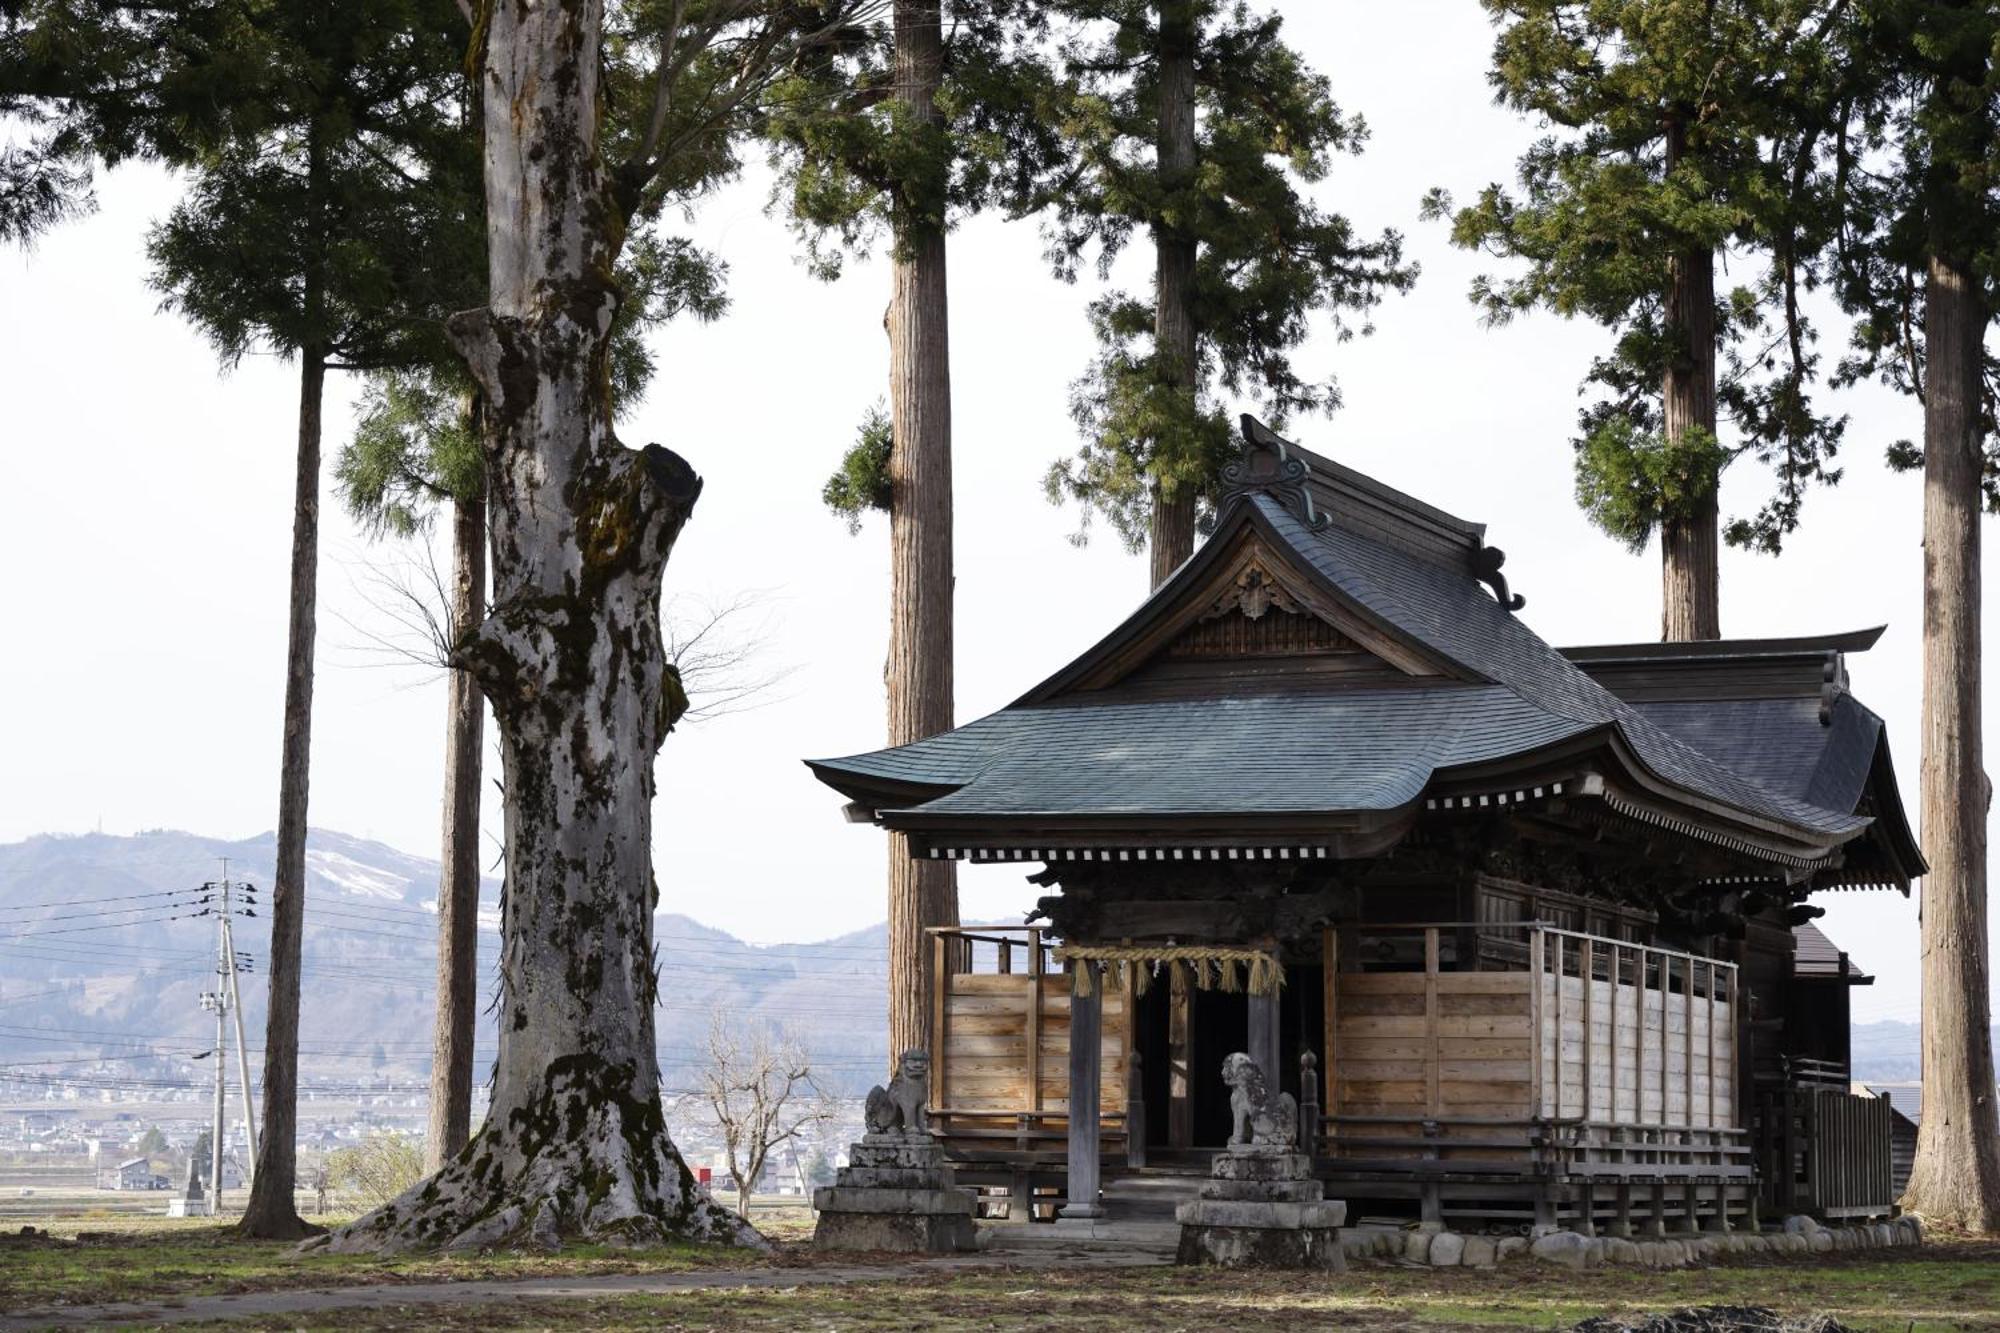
<point x="158" y="1258"/>
<point x="1953" y="1284"/>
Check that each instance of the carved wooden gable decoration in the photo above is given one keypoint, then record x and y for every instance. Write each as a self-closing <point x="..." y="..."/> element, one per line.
<point x="1255" y="617"/>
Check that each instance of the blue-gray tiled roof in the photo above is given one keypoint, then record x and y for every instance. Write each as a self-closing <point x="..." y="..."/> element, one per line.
<point x="1351" y="749"/>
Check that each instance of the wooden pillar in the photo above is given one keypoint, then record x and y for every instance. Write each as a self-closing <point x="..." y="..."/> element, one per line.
<point x="1329" y="1070"/>
<point x="1180" y="1037"/>
<point x="1262" y="1039"/>
<point x="1086" y="1067"/>
<point x="1135" y="1108"/>
<point x="1308" y="1103"/>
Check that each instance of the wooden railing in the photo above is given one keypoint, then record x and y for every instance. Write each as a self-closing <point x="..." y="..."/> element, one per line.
<point x="1588" y="1056"/>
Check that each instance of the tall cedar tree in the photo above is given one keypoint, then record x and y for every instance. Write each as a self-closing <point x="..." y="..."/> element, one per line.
<point x="317" y="219"/>
<point x="416" y="450"/>
<point x="1920" y="178"/>
<point x="1685" y="131"/>
<point x="1192" y="120"/>
<point x="904" y="126"/>
<point x="592" y="120"/>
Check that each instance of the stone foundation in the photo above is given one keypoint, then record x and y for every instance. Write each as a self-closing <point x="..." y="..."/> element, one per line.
<point x="893" y="1195"/>
<point x="1262" y="1209"/>
<point x="1800" y="1237"/>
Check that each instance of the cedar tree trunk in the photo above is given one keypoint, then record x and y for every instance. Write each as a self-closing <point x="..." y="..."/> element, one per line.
<point x="1690" y="596"/>
<point x="1956" y="1178"/>
<point x="922" y="893"/>
<point x="458" y="887"/>
<point x="1173" y="284"/>
<point x="271" y="1213"/>
<point x="570" y="656"/>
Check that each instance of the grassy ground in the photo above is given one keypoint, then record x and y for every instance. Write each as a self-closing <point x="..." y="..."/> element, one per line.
<point x="76" y="1262"/>
<point x="1956" y="1286"/>
<point x="1949" y="1285"/>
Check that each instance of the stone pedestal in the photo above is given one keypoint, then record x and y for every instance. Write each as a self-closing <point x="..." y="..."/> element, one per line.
<point x="1263" y="1209"/>
<point x="893" y="1195"/>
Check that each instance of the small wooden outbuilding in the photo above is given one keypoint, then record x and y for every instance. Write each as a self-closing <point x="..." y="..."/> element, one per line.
<point x="1525" y="930"/>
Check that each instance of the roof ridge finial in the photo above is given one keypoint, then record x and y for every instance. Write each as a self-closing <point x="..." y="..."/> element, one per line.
<point x="1266" y="463"/>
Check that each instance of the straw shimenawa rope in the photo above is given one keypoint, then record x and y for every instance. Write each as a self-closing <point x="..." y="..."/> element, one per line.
<point x="1207" y="966"/>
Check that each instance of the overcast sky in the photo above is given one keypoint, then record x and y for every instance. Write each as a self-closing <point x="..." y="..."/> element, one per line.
<point x="145" y="522"/>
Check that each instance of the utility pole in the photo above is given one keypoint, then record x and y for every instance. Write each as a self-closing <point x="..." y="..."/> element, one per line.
<point x="236" y="1008"/>
<point x="224" y="1000"/>
<point x="216" y="1000"/>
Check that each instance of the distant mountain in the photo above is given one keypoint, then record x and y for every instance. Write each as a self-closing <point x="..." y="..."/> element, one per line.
<point x="106" y="944"/>
<point x="104" y="954"/>
<point x="1885" y="1052"/>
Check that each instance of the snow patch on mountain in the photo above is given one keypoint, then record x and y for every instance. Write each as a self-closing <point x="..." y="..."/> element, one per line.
<point x="351" y="876"/>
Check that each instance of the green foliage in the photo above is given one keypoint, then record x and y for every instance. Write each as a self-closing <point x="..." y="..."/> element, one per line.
<point x="854" y="163"/>
<point x="150" y="1142"/>
<point x="1919" y="154"/>
<point x="341" y="215"/>
<point x="1267" y="258"/>
<point x="38" y="190"/>
<point x="91" y="83"/>
<point x="661" y="279"/>
<point x="415" y="444"/>
<point x="862" y="483"/>
<point x="1629" y="481"/>
<point x="1677" y="128"/>
<point x="416" y="438"/>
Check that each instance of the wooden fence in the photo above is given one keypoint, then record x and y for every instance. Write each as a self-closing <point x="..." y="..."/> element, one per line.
<point x="1827" y="1151"/>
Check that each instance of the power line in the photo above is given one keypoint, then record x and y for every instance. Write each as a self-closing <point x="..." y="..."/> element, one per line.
<point x="90" y="902"/>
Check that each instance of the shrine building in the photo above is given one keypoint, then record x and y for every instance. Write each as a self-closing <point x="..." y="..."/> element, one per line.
<point x="1525" y="930"/>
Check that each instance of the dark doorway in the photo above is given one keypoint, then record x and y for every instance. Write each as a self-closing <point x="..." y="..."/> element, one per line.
<point x="1219" y="1023"/>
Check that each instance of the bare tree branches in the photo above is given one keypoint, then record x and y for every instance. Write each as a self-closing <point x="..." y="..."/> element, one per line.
<point x="761" y="1090"/>
<point x="719" y="644"/>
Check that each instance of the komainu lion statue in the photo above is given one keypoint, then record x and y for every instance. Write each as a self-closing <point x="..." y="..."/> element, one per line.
<point x="1255" y="1119"/>
<point x="899" y="1108"/>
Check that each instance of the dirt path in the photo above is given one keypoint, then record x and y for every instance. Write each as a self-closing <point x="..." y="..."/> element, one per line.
<point x="319" y="1300"/>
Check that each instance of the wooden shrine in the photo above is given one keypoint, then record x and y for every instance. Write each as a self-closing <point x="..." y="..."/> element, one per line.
<point x="1525" y="931"/>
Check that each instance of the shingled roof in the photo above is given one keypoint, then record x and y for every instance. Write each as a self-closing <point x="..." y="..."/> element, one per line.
<point x="1443" y="697"/>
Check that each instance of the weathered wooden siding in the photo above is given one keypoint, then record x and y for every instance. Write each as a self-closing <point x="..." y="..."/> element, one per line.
<point x="1433" y="1044"/>
<point x="1594" y="1030"/>
<point x="1005" y="1045"/>
<point x="1633" y="1054"/>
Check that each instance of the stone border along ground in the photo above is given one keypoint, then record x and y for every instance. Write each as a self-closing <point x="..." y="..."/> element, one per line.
<point x="1799" y="1236"/>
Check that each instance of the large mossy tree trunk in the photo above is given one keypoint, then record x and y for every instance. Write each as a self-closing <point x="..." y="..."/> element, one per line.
<point x="272" y="1213"/>
<point x="458" y="885"/>
<point x="1690" y="579"/>
<point x="1174" y="335"/>
<point x="922" y="893"/>
<point x="570" y="656"/>
<point x="1956" y="1178"/>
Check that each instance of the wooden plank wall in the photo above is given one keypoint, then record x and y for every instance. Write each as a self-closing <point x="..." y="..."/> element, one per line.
<point x="1433" y="1044"/>
<point x="990" y="1030"/>
<point x="1594" y="1030"/>
<point x="1658" y="1054"/>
